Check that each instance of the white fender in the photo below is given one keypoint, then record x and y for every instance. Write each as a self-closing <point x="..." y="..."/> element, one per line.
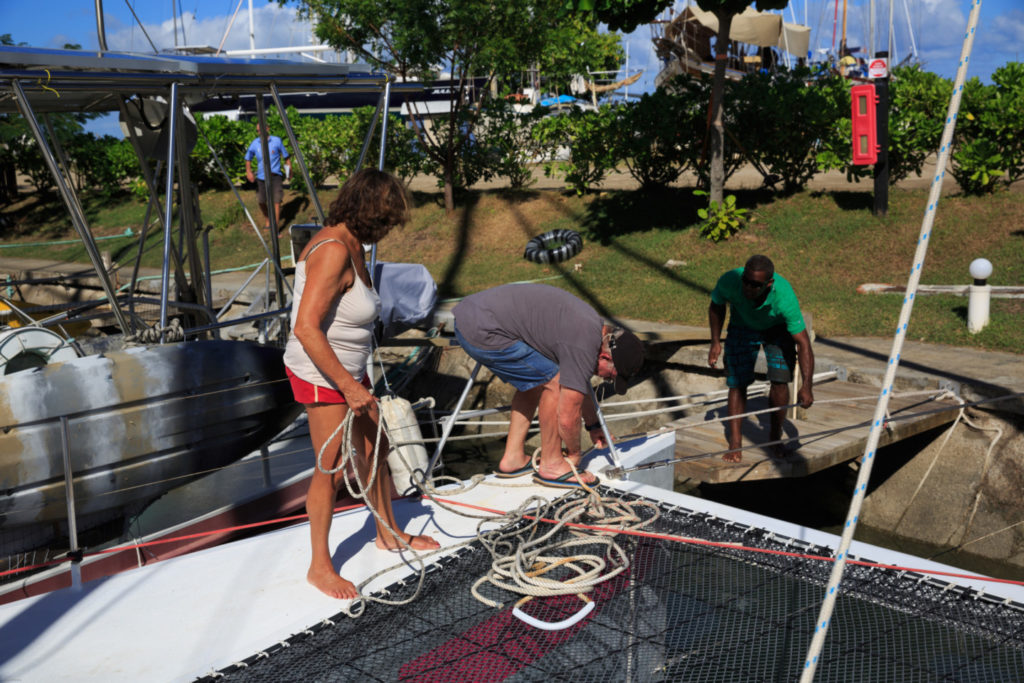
<point x="403" y="427"/>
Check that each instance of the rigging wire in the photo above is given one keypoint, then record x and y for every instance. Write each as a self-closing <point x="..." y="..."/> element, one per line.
<point x="860" y="491"/>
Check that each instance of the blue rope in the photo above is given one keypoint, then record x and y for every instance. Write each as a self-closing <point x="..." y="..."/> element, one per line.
<point x="868" y="460"/>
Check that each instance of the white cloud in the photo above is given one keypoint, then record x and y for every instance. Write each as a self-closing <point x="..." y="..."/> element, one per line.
<point x="274" y="27"/>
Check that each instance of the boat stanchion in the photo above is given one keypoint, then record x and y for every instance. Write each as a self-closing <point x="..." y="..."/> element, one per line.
<point x="74" y="554"/>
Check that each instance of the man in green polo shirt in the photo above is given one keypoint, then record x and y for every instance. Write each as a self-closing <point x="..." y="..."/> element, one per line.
<point x="764" y="313"/>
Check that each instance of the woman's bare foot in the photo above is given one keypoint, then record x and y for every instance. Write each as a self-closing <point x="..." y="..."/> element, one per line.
<point x="733" y="456"/>
<point x="330" y="583"/>
<point x="417" y="542"/>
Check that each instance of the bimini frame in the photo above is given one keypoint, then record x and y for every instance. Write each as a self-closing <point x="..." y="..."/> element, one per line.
<point x="38" y="82"/>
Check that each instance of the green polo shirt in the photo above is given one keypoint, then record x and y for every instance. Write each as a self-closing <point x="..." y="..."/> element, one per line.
<point x="780" y="306"/>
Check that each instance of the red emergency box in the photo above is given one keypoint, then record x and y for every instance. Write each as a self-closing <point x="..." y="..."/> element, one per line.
<point x="865" y="131"/>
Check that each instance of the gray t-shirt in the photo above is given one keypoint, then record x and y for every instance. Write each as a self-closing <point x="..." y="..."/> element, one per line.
<point x="555" y="323"/>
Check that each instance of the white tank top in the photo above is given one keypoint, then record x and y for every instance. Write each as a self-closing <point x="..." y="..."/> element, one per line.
<point x="348" y="326"/>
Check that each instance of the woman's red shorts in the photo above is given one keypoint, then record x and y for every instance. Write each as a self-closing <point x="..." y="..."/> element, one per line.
<point x="307" y="392"/>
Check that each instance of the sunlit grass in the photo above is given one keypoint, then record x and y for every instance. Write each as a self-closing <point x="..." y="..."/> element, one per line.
<point x="643" y="257"/>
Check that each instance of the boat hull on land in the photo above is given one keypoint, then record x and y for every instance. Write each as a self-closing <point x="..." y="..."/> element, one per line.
<point x="139" y="422"/>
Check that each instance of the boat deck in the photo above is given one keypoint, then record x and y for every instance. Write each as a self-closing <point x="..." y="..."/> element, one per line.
<point x="833" y="431"/>
<point x="201" y="613"/>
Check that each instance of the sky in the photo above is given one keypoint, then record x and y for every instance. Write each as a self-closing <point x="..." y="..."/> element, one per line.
<point x="937" y="37"/>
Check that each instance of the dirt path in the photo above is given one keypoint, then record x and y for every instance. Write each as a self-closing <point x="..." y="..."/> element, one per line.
<point x="747" y="178"/>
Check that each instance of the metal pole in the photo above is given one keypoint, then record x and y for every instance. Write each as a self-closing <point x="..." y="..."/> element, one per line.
<point x="165" y="276"/>
<point x="74" y="553"/>
<point x="881" y="206"/>
<point x="208" y="280"/>
<point x="101" y="31"/>
<point x="449" y="422"/>
<point x="604" y="429"/>
<point x="384" y="125"/>
<point x="77" y="217"/>
<point x="386" y="95"/>
<point x="268" y="197"/>
<point x="369" y="133"/>
<point x="252" y="33"/>
<point x="298" y="152"/>
<point x="821" y="624"/>
<point x="61" y="157"/>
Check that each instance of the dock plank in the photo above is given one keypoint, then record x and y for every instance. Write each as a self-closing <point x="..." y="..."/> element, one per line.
<point x="840" y="406"/>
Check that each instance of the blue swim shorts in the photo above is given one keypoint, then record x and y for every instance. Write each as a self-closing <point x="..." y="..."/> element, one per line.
<point x="520" y="365"/>
<point x="742" y="345"/>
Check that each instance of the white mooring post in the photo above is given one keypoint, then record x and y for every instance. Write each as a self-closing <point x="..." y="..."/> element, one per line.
<point x="980" y="293"/>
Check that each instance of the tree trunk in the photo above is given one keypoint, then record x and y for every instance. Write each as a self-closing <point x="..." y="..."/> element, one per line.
<point x="449" y="181"/>
<point x="717" y="93"/>
<point x="449" y="194"/>
<point x="450" y="154"/>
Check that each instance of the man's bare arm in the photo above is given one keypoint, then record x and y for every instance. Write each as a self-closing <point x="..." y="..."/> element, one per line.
<point x="805" y="357"/>
<point x="570" y="408"/>
<point x="716" y="318"/>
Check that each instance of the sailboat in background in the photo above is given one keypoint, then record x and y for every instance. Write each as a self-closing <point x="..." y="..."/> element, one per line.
<point x="101" y="425"/>
<point x="763" y="40"/>
<point x="759" y="40"/>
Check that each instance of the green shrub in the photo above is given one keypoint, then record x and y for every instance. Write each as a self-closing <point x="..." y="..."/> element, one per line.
<point x="1008" y="123"/>
<point x="919" y="100"/>
<point x="509" y="137"/>
<point x="977" y="160"/>
<point x="721" y="221"/>
<point x="783" y="119"/>
<point x="587" y="135"/>
<point x="651" y="139"/>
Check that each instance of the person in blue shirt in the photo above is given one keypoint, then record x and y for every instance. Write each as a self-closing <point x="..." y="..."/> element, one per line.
<point x="764" y="312"/>
<point x="277" y="154"/>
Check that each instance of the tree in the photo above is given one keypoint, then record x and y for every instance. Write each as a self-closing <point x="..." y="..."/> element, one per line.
<point x="18" y="148"/>
<point x="724" y="10"/>
<point x="574" y="46"/>
<point x="418" y="38"/>
<point x="619" y="15"/>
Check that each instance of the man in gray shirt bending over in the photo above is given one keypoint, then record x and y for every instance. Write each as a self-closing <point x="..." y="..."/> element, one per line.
<point x="547" y="344"/>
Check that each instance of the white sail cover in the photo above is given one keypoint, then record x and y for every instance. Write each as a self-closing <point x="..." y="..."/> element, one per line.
<point x="760" y="28"/>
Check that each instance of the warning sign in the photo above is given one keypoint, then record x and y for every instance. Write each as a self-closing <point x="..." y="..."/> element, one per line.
<point x="878" y="68"/>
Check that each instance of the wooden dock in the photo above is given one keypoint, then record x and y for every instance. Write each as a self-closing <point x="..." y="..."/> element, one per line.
<point x="821" y="441"/>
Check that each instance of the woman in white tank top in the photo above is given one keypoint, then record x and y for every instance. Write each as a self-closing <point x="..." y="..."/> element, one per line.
<point x="332" y="321"/>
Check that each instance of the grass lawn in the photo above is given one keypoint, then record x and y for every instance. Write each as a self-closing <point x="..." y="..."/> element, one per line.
<point x="643" y="256"/>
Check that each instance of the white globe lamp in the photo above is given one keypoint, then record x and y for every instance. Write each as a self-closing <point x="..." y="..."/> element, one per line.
<point x="979" y="295"/>
<point x="980" y="269"/>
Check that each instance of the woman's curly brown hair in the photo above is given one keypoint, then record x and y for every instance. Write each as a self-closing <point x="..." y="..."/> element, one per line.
<point x="370" y="203"/>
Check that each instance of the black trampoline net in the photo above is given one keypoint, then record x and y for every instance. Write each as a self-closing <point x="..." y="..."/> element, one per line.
<point x="681" y="612"/>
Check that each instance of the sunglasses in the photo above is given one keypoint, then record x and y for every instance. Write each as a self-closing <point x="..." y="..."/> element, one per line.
<point x="754" y="284"/>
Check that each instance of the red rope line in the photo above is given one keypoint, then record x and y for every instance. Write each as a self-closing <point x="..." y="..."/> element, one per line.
<point x="187" y="537"/>
<point x="575" y="525"/>
<point x="734" y="546"/>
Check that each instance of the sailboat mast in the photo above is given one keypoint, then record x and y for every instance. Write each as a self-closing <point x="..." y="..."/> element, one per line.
<point x="842" y="43"/>
<point x="835" y="18"/>
<point x="101" y="31"/>
<point x="891" y="43"/>
<point x="871" y="29"/>
<point x="252" y="33"/>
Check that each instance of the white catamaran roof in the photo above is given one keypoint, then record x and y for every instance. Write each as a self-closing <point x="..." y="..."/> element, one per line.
<point x="90" y="81"/>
